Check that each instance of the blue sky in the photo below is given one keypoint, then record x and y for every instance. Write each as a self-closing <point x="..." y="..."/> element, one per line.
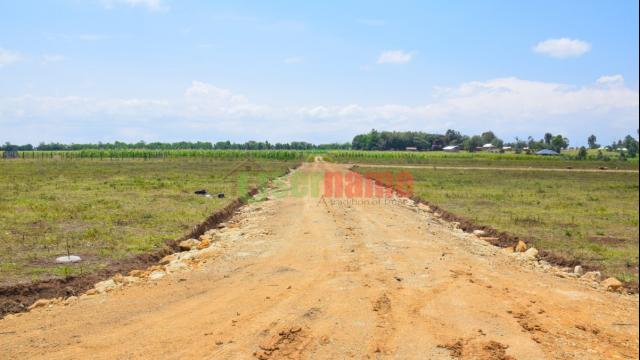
<point x="104" y="70"/>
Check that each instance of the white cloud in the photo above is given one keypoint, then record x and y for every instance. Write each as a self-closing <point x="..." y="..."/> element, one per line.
<point x="562" y="48"/>
<point x="510" y="106"/>
<point x="394" y="57"/>
<point x="8" y="57"/>
<point x="52" y="58"/>
<point x="611" y="80"/>
<point x="202" y="99"/>
<point x="293" y="60"/>
<point x="152" y="5"/>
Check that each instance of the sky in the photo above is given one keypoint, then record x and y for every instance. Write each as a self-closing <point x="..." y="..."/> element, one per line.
<point x="166" y="70"/>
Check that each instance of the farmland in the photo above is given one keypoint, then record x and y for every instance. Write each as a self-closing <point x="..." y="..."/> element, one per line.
<point x="591" y="217"/>
<point x="110" y="204"/>
<point x="110" y="209"/>
<point x="293" y="277"/>
<point x="164" y="154"/>
<point x="479" y="159"/>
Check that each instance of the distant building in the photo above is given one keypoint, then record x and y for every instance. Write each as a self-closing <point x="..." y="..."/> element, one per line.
<point x="451" y="148"/>
<point x="547" y="152"/>
<point x="506" y="148"/>
<point x="411" y="148"/>
<point x="488" y="147"/>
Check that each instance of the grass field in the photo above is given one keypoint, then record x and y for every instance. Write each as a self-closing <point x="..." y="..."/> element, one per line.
<point x="107" y="209"/>
<point x="439" y="158"/>
<point x="589" y="216"/>
<point x="110" y="205"/>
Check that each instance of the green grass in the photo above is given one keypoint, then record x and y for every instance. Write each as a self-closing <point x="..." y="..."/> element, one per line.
<point x="107" y="209"/>
<point x="589" y="216"/>
<point x="463" y="158"/>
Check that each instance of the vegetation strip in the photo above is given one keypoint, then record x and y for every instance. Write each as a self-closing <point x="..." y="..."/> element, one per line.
<point x="494" y="168"/>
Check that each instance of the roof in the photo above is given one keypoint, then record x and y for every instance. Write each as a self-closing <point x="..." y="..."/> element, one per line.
<point x="451" y="147"/>
<point x="488" y="146"/>
<point x="546" y="152"/>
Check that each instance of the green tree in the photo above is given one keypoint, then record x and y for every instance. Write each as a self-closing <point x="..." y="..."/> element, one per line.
<point x="488" y="137"/>
<point x="632" y="145"/>
<point x="582" y="153"/>
<point x="452" y="137"/>
<point x="592" y="142"/>
<point x="547" y="138"/>
<point x="472" y="143"/>
<point x="558" y="143"/>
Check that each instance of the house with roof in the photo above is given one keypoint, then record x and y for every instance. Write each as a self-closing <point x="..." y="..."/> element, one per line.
<point x="547" y="152"/>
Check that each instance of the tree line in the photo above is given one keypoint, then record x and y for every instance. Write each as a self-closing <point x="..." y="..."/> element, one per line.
<point x="421" y="141"/>
<point x="400" y="140"/>
<point x="373" y="140"/>
<point x="182" y="145"/>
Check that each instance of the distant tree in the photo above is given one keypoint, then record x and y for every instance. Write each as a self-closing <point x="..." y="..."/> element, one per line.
<point x="488" y="137"/>
<point x="582" y="153"/>
<point x="452" y="137"/>
<point x="358" y="142"/>
<point x="592" y="142"/>
<point x="558" y="143"/>
<point x="9" y="147"/>
<point x="518" y="145"/>
<point x="396" y="140"/>
<point x="632" y="145"/>
<point x="497" y="142"/>
<point x="547" y="138"/>
<point x="472" y="143"/>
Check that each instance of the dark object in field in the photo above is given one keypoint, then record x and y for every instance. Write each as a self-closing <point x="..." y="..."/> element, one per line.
<point x="10" y="154"/>
<point x="221" y="196"/>
<point x="200" y="192"/>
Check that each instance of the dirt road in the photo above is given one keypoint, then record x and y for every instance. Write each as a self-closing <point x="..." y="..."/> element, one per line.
<point x="295" y="277"/>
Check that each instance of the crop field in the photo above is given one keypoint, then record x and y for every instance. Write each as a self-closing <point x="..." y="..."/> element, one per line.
<point x="588" y="216"/>
<point x="110" y="209"/>
<point x="479" y="159"/>
<point x="164" y="154"/>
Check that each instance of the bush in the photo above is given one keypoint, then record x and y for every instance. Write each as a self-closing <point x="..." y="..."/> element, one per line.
<point x="582" y="153"/>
